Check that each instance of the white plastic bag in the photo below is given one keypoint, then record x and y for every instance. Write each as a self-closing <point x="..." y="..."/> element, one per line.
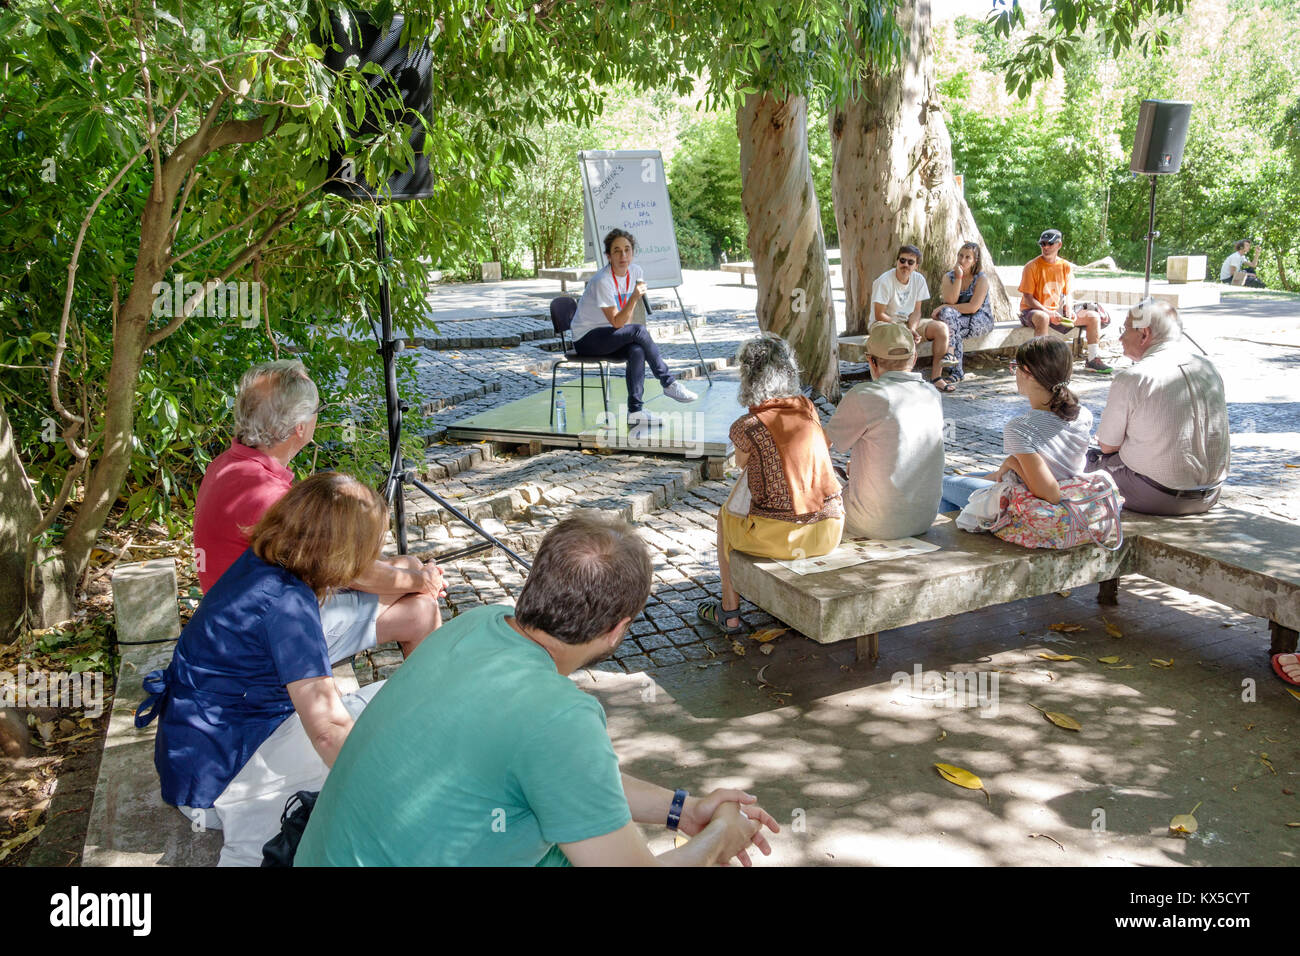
<point x="984" y="509"/>
<point x="739" y="500"/>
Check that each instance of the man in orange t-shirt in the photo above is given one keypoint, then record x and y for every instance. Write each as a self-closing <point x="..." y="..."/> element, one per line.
<point x="1045" y="299"/>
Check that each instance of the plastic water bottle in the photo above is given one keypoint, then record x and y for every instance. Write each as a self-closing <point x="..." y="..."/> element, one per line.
<point x="561" y="420"/>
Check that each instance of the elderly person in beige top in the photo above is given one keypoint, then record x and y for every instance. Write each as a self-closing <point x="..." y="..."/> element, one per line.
<point x="893" y="428"/>
<point x="789" y="498"/>
<point x="1164" y="432"/>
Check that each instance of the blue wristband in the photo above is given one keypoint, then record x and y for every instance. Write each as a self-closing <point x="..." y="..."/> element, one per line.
<point x="675" y="811"/>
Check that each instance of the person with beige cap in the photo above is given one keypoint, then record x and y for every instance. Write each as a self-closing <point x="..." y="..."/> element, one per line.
<point x="892" y="427"/>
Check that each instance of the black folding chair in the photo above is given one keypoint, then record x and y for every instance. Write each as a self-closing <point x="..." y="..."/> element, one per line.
<point x="563" y="309"/>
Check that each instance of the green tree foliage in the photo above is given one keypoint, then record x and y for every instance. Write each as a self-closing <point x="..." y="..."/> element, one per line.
<point x="704" y="189"/>
<point x="1060" y="156"/>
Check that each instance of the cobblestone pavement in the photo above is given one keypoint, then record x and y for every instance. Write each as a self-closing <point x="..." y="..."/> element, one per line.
<point x="842" y="753"/>
<point x="517" y="498"/>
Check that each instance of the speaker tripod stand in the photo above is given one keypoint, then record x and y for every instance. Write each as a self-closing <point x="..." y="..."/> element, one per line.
<point x="398" y="474"/>
<point x="1151" y="237"/>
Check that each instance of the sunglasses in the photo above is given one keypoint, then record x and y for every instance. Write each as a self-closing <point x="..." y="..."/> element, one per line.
<point x="906" y="261"/>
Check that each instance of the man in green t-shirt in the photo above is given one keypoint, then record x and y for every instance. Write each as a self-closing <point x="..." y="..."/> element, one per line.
<point x="481" y="751"/>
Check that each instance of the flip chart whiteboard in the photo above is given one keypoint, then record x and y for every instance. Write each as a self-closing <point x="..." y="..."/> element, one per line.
<point x="626" y="189"/>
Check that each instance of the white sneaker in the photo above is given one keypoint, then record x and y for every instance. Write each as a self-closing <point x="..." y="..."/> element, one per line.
<point x="643" y="418"/>
<point x="680" y="393"/>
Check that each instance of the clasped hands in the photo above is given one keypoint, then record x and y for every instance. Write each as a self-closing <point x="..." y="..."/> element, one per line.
<point x="736" y="815"/>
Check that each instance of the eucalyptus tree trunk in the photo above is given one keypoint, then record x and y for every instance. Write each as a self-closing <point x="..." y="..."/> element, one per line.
<point x="786" y="242"/>
<point x="17" y="519"/>
<point x="892" y="179"/>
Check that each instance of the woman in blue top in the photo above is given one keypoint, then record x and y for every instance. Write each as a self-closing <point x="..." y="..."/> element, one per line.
<point x="966" y="310"/>
<point x="603" y="326"/>
<point x="1047" y="444"/>
<point x="248" y="711"/>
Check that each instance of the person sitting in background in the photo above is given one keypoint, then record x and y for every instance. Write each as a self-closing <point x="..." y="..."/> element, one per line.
<point x="893" y="428"/>
<point x="1237" y="270"/>
<point x="392" y="599"/>
<point x="1047" y="444"/>
<point x="896" y="296"/>
<point x="787" y="501"/>
<point x="248" y="711"/>
<point x="967" y="309"/>
<point x="482" y="752"/>
<point x="1045" y="299"/>
<point x="1164" y="432"/>
<point x="603" y="326"/>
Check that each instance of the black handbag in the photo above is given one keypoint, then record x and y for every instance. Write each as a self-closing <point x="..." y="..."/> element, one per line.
<point x="280" y="849"/>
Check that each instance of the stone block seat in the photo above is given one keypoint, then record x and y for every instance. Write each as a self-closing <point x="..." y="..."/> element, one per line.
<point x="1005" y="335"/>
<point x="129" y="824"/>
<point x="1242" y="560"/>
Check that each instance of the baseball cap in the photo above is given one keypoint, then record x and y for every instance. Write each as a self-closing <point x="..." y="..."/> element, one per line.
<point x="1050" y="235"/>
<point x="890" y="340"/>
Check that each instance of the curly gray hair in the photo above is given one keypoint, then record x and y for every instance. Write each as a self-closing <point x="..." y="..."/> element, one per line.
<point x="768" y="370"/>
<point x="274" y="398"/>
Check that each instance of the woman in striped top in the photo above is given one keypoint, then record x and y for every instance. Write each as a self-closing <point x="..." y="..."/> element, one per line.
<point x="1047" y="444"/>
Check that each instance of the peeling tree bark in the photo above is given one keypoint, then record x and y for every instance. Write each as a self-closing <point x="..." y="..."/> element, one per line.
<point x="786" y="241"/>
<point x="892" y="179"/>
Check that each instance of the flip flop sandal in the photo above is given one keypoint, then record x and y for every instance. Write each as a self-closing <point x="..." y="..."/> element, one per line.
<point x="942" y="384"/>
<point x="948" y="359"/>
<point x="711" y="612"/>
<point x="1277" y="669"/>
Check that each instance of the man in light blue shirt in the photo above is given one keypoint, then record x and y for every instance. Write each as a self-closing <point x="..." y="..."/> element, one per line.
<point x="481" y="751"/>
<point x="893" y="428"/>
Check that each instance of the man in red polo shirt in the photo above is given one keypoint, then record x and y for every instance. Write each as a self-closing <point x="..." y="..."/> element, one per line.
<point x="275" y="418"/>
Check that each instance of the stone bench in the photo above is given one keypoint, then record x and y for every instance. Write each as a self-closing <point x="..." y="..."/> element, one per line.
<point x="1005" y="335"/>
<point x="1242" y="560"/>
<point x="747" y="268"/>
<point x="582" y="274"/>
<point x="129" y="824"/>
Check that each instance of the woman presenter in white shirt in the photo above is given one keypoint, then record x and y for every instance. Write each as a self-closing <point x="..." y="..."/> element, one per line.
<point x="603" y="326"/>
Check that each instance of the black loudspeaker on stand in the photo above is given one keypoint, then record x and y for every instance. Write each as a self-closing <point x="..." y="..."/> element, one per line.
<point x="406" y="73"/>
<point x="1158" y="151"/>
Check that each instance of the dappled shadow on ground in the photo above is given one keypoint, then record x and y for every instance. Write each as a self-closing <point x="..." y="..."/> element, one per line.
<point x="842" y="754"/>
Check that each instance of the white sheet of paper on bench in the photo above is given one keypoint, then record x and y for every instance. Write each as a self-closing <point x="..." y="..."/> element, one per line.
<point x="860" y="551"/>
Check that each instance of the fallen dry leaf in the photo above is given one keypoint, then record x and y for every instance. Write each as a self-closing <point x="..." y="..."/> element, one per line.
<point x="1049" y="656"/>
<point x="1062" y="594"/>
<point x="1185" y="822"/>
<point x="1157" y="662"/>
<point x="942" y="734"/>
<point x="738" y="648"/>
<point x="767" y="635"/>
<point x="1263" y="758"/>
<point x="1293" y="824"/>
<point x="1108" y="660"/>
<point x="1065" y="628"/>
<point x="1293" y="692"/>
<point x="962" y="778"/>
<point x="1111" y="629"/>
<point x="1064" y="721"/>
<point x="67" y="726"/>
<point x="1120" y="667"/>
<point x="19" y="840"/>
